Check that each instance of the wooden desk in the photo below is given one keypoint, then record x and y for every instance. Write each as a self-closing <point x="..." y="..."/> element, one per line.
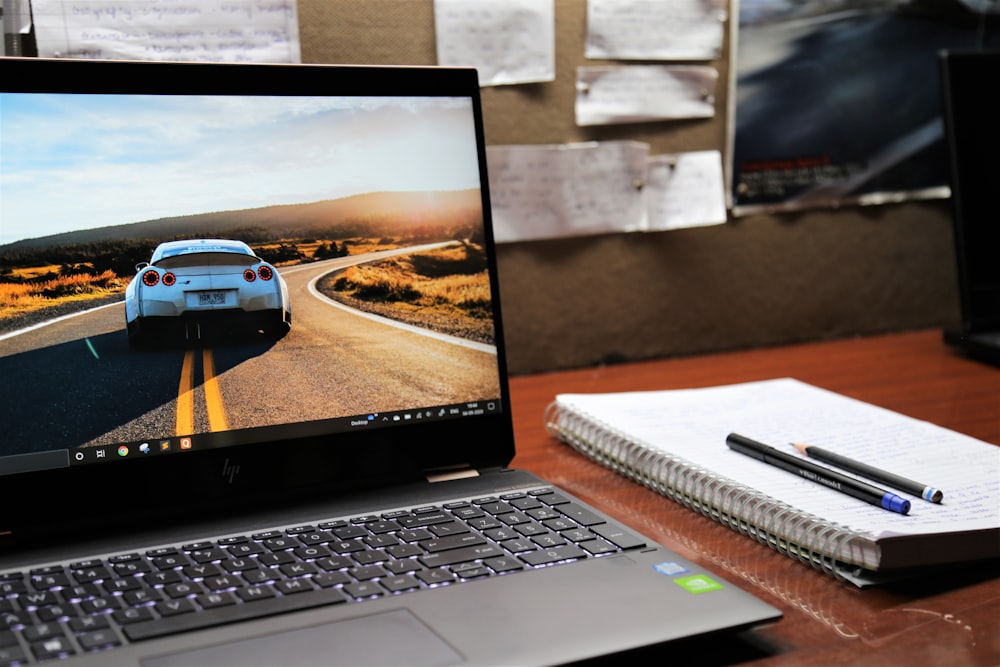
<point x="948" y="619"/>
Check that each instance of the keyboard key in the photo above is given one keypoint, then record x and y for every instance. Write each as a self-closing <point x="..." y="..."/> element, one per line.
<point x="253" y="593"/>
<point x="281" y="558"/>
<point x="142" y="596"/>
<point x="370" y="557"/>
<point x="158" y="579"/>
<point x="34" y="633"/>
<point x="328" y="579"/>
<point x="174" y="607"/>
<point x="122" y="585"/>
<point x="466" y="554"/>
<point x="524" y="503"/>
<point x="548" y="540"/>
<point x="618" y="536"/>
<point x="131" y="567"/>
<point x="213" y="600"/>
<point x="293" y="586"/>
<point x="311" y="552"/>
<point x="12" y="655"/>
<point x="297" y="569"/>
<point x="99" y="605"/>
<point x="426" y="519"/>
<point x="335" y="563"/>
<point x="470" y="570"/>
<point x="223" y="582"/>
<point x="554" y="555"/>
<point x="13" y="619"/>
<point x="400" y="583"/>
<point x="435" y="577"/>
<point x="404" y="550"/>
<point x="452" y="542"/>
<point x="56" y="647"/>
<point x="98" y="639"/>
<point x="598" y="547"/>
<point x="363" y="589"/>
<point x="580" y="514"/>
<point x="402" y="566"/>
<point x="367" y="572"/>
<point x="89" y="623"/>
<point x="183" y="589"/>
<point x="349" y="532"/>
<point x="132" y="615"/>
<point x="46" y="582"/>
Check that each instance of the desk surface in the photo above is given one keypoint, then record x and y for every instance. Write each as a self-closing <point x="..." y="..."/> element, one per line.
<point x="946" y="619"/>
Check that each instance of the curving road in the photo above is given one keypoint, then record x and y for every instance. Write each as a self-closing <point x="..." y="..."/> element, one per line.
<point x="77" y="382"/>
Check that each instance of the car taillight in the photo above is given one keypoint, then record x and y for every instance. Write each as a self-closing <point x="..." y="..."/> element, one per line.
<point x="150" y="278"/>
<point x="265" y="273"/>
<point x="249" y="275"/>
<point x="169" y="279"/>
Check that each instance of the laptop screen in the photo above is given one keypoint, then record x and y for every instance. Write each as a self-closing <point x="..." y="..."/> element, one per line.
<point x="271" y="256"/>
<point x="974" y="144"/>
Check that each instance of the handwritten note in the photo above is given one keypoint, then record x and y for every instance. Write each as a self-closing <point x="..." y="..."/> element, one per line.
<point x="550" y="191"/>
<point x="209" y="30"/>
<point x="507" y="41"/>
<point x="655" y="29"/>
<point x="640" y="93"/>
<point x="685" y="190"/>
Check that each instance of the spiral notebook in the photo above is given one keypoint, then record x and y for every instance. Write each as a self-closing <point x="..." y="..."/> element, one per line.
<point x="673" y="441"/>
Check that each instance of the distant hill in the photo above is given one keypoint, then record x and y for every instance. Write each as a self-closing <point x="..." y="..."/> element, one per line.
<point x="372" y="214"/>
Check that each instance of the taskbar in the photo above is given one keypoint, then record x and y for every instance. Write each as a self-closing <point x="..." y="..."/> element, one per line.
<point x="98" y="454"/>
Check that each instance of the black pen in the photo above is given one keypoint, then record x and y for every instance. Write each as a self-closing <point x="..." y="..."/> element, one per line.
<point x="814" y="473"/>
<point x="871" y="472"/>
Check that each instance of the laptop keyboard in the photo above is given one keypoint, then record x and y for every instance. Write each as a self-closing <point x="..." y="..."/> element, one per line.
<point x="62" y="610"/>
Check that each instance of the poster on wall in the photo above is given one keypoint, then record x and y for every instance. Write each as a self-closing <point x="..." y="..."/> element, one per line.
<point x="838" y="101"/>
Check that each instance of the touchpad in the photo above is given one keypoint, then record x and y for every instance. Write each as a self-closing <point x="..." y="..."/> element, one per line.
<point x="389" y="638"/>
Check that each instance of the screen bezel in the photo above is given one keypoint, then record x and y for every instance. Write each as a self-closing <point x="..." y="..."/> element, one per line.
<point x="163" y="488"/>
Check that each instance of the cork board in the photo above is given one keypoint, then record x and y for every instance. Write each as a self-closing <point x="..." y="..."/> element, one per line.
<point x="755" y="281"/>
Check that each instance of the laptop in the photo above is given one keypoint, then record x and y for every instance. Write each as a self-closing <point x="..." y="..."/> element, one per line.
<point x="973" y="139"/>
<point x="255" y="410"/>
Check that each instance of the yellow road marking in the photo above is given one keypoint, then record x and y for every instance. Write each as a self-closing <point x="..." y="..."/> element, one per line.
<point x="185" y="396"/>
<point x="213" y="397"/>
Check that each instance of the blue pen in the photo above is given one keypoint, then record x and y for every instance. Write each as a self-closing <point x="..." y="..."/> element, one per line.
<point x="818" y="474"/>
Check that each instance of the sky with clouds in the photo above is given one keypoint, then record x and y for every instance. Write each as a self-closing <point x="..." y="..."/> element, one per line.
<point x="72" y="162"/>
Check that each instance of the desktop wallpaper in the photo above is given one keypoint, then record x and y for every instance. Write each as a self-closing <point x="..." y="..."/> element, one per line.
<point x="368" y="209"/>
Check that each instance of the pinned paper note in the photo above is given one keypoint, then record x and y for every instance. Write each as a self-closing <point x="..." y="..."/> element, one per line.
<point x="551" y="191"/>
<point x="207" y="30"/>
<point x="640" y="93"/>
<point x="685" y="190"/>
<point x="507" y="41"/>
<point x="655" y="29"/>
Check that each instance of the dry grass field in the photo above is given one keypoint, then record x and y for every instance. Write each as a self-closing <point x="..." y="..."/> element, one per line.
<point x="447" y="290"/>
<point x="28" y="297"/>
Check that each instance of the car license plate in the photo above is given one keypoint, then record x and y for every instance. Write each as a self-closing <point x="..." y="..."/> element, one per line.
<point x="211" y="298"/>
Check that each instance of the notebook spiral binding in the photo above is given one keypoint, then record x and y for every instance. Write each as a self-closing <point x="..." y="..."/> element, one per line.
<point x="805" y="537"/>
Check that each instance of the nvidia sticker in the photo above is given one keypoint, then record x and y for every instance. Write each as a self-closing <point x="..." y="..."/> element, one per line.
<point x="698" y="583"/>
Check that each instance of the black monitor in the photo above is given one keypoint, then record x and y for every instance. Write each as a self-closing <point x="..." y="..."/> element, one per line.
<point x="972" y="129"/>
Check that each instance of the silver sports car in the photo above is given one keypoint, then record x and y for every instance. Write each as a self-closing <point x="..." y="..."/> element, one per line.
<point x="192" y="287"/>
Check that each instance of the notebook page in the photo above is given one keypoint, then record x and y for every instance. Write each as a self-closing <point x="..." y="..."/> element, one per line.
<point x="693" y="424"/>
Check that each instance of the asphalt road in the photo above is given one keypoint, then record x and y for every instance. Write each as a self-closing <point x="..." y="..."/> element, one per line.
<point x="77" y="381"/>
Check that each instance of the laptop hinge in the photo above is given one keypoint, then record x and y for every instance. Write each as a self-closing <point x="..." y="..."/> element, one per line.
<point x="448" y="474"/>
